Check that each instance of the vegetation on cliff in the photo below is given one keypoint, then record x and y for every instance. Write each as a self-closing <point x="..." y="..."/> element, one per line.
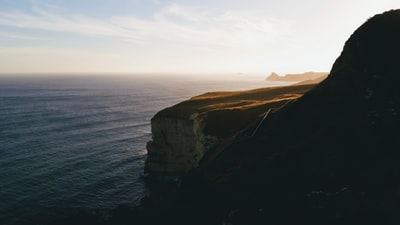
<point x="183" y="134"/>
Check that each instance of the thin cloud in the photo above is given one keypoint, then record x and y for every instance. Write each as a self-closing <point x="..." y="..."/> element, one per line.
<point x="45" y="20"/>
<point x="174" y="24"/>
<point x="17" y="36"/>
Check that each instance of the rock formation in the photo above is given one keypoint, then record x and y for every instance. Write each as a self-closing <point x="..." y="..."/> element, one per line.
<point x="184" y="133"/>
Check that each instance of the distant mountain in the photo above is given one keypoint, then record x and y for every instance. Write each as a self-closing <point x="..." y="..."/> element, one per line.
<point x="297" y="77"/>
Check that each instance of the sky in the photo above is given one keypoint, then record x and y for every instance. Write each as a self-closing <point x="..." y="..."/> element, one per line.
<point x="178" y="36"/>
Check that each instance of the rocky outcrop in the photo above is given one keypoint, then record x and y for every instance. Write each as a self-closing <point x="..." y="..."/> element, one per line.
<point x="178" y="144"/>
<point x="185" y="133"/>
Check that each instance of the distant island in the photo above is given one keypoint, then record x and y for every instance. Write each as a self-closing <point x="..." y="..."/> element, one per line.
<point x="308" y="76"/>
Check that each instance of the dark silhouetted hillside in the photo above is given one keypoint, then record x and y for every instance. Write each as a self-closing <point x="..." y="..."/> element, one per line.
<point x="332" y="156"/>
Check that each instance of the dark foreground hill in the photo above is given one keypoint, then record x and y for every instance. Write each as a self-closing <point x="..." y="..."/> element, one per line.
<point x="331" y="157"/>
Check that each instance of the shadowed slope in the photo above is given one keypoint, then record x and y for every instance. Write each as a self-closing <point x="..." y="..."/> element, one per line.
<point x="340" y="140"/>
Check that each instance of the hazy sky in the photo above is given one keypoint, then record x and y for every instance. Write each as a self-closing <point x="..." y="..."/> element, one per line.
<point x="177" y="36"/>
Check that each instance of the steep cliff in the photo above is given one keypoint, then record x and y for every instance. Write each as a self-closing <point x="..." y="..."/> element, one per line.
<point x="178" y="144"/>
<point x="185" y="133"/>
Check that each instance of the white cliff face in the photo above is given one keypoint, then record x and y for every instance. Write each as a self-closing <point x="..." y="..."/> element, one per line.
<point x="178" y="144"/>
<point x="184" y="133"/>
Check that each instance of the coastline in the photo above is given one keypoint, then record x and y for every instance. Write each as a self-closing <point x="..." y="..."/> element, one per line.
<point x="323" y="153"/>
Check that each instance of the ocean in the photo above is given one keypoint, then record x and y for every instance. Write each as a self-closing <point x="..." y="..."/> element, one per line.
<point x="72" y="143"/>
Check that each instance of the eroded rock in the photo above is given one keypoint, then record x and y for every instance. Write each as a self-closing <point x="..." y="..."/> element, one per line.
<point x="185" y="133"/>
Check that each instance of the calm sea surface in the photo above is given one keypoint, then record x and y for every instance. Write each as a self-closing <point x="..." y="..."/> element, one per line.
<point x="72" y="143"/>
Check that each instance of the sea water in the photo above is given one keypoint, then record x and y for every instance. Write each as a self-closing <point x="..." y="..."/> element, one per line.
<point x="77" y="143"/>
